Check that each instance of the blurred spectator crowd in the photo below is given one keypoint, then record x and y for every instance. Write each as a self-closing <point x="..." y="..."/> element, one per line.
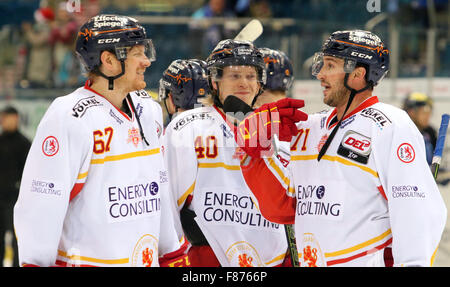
<point x="37" y="50"/>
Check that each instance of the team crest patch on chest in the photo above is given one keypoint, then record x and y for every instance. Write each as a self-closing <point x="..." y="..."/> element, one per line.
<point x="133" y="136"/>
<point x="322" y="141"/>
<point x="242" y="254"/>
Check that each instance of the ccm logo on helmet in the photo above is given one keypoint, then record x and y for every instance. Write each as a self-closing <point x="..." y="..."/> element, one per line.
<point x="108" y="41"/>
<point x="361" y="55"/>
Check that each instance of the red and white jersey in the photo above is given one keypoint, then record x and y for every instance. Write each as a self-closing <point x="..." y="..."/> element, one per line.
<point x="370" y="194"/>
<point x="203" y="162"/>
<point x="92" y="192"/>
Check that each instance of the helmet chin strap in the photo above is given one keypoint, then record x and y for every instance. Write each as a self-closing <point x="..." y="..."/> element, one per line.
<point x="261" y="90"/>
<point x="169" y="115"/>
<point x="353" y="93"/>
<point x="111" y="79"/>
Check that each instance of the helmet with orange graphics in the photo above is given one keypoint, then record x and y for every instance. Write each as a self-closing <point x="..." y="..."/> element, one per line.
<point x="112" y="33"/>
<point x="357" y="48"/>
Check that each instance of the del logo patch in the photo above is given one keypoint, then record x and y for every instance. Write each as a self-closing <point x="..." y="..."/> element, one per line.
<point x="355" y="146"/>
<point x="50" y="146"/>
<point x="406" y="153"/>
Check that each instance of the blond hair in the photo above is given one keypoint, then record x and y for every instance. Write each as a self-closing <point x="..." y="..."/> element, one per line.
<point x="207" y="101"/>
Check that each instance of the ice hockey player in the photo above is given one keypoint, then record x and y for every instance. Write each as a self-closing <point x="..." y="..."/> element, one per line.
<point x="358" y="187"/>
<point x="94" y="190"/>
<point x="280" y="76"/>
<point x="183" y="83"/>
<point x="218" y="213"/>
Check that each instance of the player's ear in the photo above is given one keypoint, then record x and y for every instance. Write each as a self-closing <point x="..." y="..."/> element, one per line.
<point x="357" y="78"/>
<point x="359" y="73"/>
<point x="109" y="61"/>
<point x="214" y="85"/>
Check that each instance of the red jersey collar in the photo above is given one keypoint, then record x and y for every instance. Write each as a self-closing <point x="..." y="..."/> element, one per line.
<point x="87" y="86"/>
<point x="367" y="103"/>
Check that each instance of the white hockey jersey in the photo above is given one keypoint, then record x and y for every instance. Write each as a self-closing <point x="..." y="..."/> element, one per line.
<point x="371" y="191"/>
<point x="92" y="193"/>
<point x="203" y="161"/>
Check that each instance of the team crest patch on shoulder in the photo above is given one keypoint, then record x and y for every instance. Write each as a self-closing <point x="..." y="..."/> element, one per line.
<point x="242" y="254"/>
<point x="406" y="153"/>
<point x="311" y="254"/>
<point x="50" y="146"/>
<point x="145" y="253"/>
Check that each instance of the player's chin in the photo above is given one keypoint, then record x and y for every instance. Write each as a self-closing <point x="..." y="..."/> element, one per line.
<point x="140" y="85"/>
<point x="245" y="97"/>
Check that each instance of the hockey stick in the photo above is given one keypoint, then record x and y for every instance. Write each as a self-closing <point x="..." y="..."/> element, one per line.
<point x="251" y="31"/>
<point x="437" y="156"/>
<point x="292" y="246"/>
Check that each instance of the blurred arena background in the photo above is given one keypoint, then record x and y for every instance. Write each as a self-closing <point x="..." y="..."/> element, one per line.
<point x="37" y="61"/>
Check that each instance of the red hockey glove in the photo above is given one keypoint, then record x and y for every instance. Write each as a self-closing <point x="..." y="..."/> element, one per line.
<point x="177" y="258"/>
<point x="254" y="134"/>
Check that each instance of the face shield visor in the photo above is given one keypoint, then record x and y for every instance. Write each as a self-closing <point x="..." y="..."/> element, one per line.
<point x="233" y="74"/>
<point x="318" y="60"/>
<point x="163" y="90"/>
<point x="121" y="51"/>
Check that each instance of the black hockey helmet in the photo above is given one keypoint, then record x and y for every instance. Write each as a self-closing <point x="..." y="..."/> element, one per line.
<point x="112" y="33"/>
<point x="279" y="70"/>
<point x="186" y="80"/>
<point x="357" y="48"/>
